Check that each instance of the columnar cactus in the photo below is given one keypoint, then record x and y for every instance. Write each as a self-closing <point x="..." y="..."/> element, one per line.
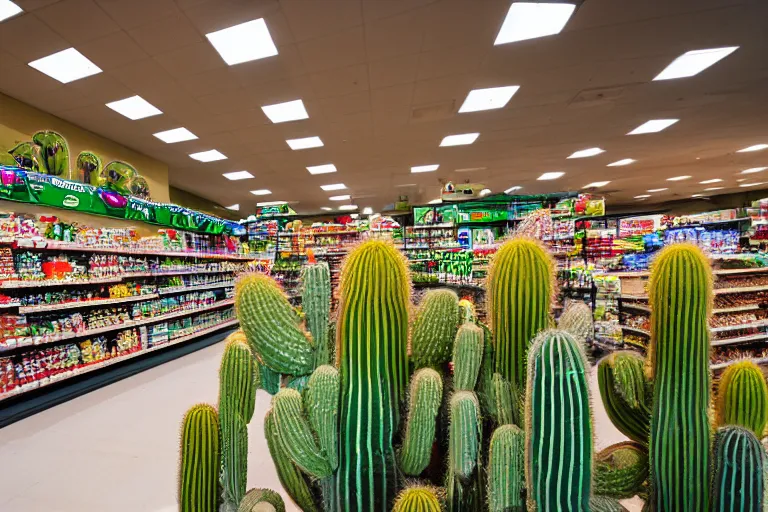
<point x="506" y="406"/>
<point x="506" y="470"/>
<point x="256" y="500"/>
<point x="467" y="357"/>
<point x="465" y="475"/>
<point x="418" y="499"/>
<point x="742" y="397"/>
<point x="520" y="285"/>
<point x="200" y="460"/>
<point x="577" y="320"/>
<point x="425" y="395"/>
<point x="678" y="359"/>
<point x="316" y="303"/>
<point x="739" y="471"/>
<point x="621" y="470"/>
<point x="322" y="404"/>
<point x="559" y="424"/>
<point x="626" y="394"/>
<point x="272" y="326"/>
<point x="434" y="328"/>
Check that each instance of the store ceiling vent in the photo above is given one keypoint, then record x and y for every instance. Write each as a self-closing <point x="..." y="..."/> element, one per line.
<point x="596" y="97"/>
<point x="433" y="112"/>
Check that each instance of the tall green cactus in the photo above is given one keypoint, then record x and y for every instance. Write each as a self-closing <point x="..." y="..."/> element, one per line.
<point x="621" y="470"/>
<point x="559" y="424"/>
<point x="434" y="328"/>
<point x="372" y="337"/>
<point x="739" y="471"/>
<point x="272" y="326"/>
<point x="520" y="284"/>
<point x="296" y="435"/>
<point x="424" y="398"/>
<point x="316" y="303"/>
<point x="256" y="500"/>
<point x="506" y="470"/>
<point x="678" y="359"/>
<point x="626" y="394"/>
<point x="742" y="397"/>
<point x="467" y="356"/>
<point x="322" y="404"/>
<point x="418" y="499"/>
<point x="200" y="460"/>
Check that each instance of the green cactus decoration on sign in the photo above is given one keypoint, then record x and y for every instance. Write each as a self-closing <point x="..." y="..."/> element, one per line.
<point x="117" y="176"/>
<point x="742" y="397"/>
<point x="425" y="395"/>
<point x="54" y="153"/>
<point x="681" y="298"/>
<point x="506" y="470"/>
<point x="739" y="471"/>
<point x="434" y="328"/>
<point x="316" y="303"/>
<point x="467" y="357"/>
<point x="621" y="470"/>
<point x="520" y="284"/>
<point x="558" y="424"/>
<point x="89" y="168"/>
<point x="626" y="394"/>
<point x="200" y="460"/>
<point x="27" y="156"/>
<point x="418" y="499"/>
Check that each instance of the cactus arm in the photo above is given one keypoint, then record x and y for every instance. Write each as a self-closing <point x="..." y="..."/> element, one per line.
<point x="425" y="396"/>
<point x="467" y="357"/>
<point x="322" y="400"/>
<point x="505" y="403"/>
<point x="484" y="386"/>
<point x="316" y="303"/>
<point x="256" y="497"/>
<point x="624" y="393"/>
<point x="506" y="470"/>
<point x="296" y="436"/>
<point x="237" y="376"/>
<point x="200" y="463"/>
<point x="434" y="328"/>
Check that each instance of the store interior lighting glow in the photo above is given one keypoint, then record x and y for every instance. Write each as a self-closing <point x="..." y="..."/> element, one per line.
<point x="752" y="184"/>
<point x="488" y="99"/>
<point x="261" y="192"/>
<point x="529" y="20"/>
<point x="622" y="162"/>
<point x="697" y="195"/>
<point x="485" y="192"/>
<point x="653" y="126"/>
<point x="756" y="147"/>
<point x="424" y="168"/>
<point x="550" y="176"/>
<point x="694" y="62"/>
<point x="134" y="108"/>
<point x="753" y="170"/>
<point x="175" y="135"/>
<point x="234" y="207"/>
<point x="305" y="143"/>
<point x="644" y="196"/>
<point x="334" y="186"/>
<point x="321" y="169"/>
<point x="326" y="208"/>
<point x="284" y="112"/>
<point x="367" y="210"/>
<point x="461" y="139"/>
<point x="713" y="180"/>
<point x="347" y="207"/>
<point x="585" y="153"/>
<point x="211" y="155"/>
<point x="271" y="203"/>
<point x="597" y="184"/>
<point x="512" y="189"/>
<point x="66" y="66"/>
<point x="678" y="178"/>
<point x="340" y="198"/>
<point x="652" y="190"/>
<point x="244" y="42"/>
<point x="713" y="188"/>
<point x="436" y="201"/>
<point x="8" y="9"/>
<point x="238" y="175"/>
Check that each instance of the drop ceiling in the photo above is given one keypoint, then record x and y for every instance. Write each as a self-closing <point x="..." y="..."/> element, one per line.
<point x="382" y="82"/>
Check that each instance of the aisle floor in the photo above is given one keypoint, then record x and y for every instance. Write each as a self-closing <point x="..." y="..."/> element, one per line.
<point x="116" y="449"/>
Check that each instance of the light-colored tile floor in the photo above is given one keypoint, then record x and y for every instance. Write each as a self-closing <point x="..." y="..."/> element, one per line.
<point x="116" y="449"/>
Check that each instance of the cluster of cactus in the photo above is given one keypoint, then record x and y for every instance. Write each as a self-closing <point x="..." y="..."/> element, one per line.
<point x="214" y="443"/>
<point x="506" y="426"/>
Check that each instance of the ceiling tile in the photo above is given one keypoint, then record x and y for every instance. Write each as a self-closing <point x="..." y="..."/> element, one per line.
<point x="463" y="23"/>
<point x="190" y="60"/>
<point x="336" y="108"/>
<point x="340" y="82"/>
<point x="310" y="19"/>
<point x="286" y="64"/>
<point x="450" y="61"/>
<point x="210" y="82"/>
<point x="166" y="34"/>
<point x="130" y="14"/>
<point x="33" y="5"/>
<point x="394" y="71"/>
<point x="78" y="21"/>
<point x="145" y="75"/>
<point x="377" y="9"/>
<point x="113" y="51"/>
<point x="219" y="14"/>
<point x="397" y="35"/>
<point x="445" y="88"/>
<point x="101" y="88"/>
<point x="8" y="61"/>
<point x="341" y="49"/>
<point x="14" y="80"/>
<point x="27" y="38"/>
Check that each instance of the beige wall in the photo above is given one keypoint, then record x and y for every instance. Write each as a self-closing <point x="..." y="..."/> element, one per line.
<point x="201" y="204"/>
<point x="18" y="121"/>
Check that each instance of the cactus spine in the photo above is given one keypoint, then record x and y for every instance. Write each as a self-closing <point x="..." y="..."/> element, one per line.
<point x="322" y="400"/>
<point x="272" y="326"/>
<point x="739" y="471"/>
<point x="417" y="499"/>
<point x="200" y="460"/>
<point x="296" y="436"/>
<point x="467" y="357"/>
<point x="681" y="297"/>
<point x="559" y="424"/>
<point x="621" y="470"/>
<point x="372" y="337"/>
<point x="434" y="328"/>
<point x="626" y="395"/>
<point x="425" y="396"/>
<point x="256" y="498"/>
<point x="577" y="320"/>
<point x="742" y="397"/>
<point x="506" y="470"/>
<point x="520" y="293"/>
<point x="316" y="303"/>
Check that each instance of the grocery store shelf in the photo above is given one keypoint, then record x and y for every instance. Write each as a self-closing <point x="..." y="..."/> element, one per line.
<point x="731" y="271"/>
<point x="736" y="309"/>
<point x="743" y="289"/>
<point x="633" y="297"/>
<point x="16" y="284"/>
<point x="184" y="289"/>
<point x="188" y="272"/>
<point x="750" y="325"/>
<point x="740" y="339"/>
<point x="9" y="305"/>
<point x="636" y="330"/>
<point x="62" y="246"/>
<point x="637" y="307"/>
<point x="85" y="303"/>
<point x="435" y="226"/>
<point x="756" y="360"/>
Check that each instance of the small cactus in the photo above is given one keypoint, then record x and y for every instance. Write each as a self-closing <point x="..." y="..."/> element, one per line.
<point x="739" y="471"/>
<point x="316" y="303"/>
<point x="200" y="460"/>
<point x="742" y="397"/>
<point x="621" y="470"/>
<point x="577" y="320"/>
<point x="296" y="435"/>
<point x="425" y="395"/>
<point x="322" y="399"/>
<point x="506" y="413"/>
<point x="467" y="357"/>
<point x="255" y="500"/>
<point x="465" y="434"/>
<point x="626" y="394"/>
<point x="418" y="499"/>
<point x="506" y="470"/>
<point x="434" y="328"/>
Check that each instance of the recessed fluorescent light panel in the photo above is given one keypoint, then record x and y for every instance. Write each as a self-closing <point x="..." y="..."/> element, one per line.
<point x="424" y="168"/>
<point x="348" y="207"/>
<point x="461" y="139"/>
<point x="66" y="66"/>
<point x="550" y="176"/>
<point x="284" y="112"/>
<point x="512" y="189"/>
<point x="644" y="196"/>
<point x="339" y="198"/>
<point x="652" y="190"/>
<point x="208" y="156"/>
<point x="271" y="203"/>
<point x="238" y="175"/>
<point x="697" y="195"/>
<point x="597" y="184"/>
<point x="335" y="186"/>
<point x="261" y="192"/>
<point x="488" y="99"/>
<point x="234" y="207"/>
<point x="712" y="188"/>
<point x="470" y="169"/>
<point x="321" y="169"/>
<point x="243" y="43"/>
<point x="752" y="184"/>
<point x="175" y="135"/>
<point x="622" y="162"/>
<point x="485" y="192"/>
<point x="305" y="143"/>
<point x="713" y="180"/>
<point x="326" y="208"/>
<point x="678" y="178"/>
<point x="436" y="201"/>
<point x="8" y="9"/>
<point x="134" y="108"/>
<point x="584" y="153"/>
<point x="756" y="147"/>
<point x="529" y="20"/>
<point x="694" y="62"/>
<point x="653" y="126"/>
<point x="753" y="170"/>
<point x="367" y="210"/>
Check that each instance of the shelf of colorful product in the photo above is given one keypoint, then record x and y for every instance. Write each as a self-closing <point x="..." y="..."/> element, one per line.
<point x="637" y="307"/>
<point x="741" y="339"/>
<point x="14" y="284"/>
<point x="9" y="305"/>
<point x="188" y="272"/>
<point x="109" y="362"/>
<point x="85" y="303"/>
<point x="636" y="330"/>
<point x="184" y="289"/>
<point x="33" y="341"/>
<point x="743" y="289"/>
<point x="751" y="325"/>
<point x="736" y="309"/>
<point x="756" y="360"/>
